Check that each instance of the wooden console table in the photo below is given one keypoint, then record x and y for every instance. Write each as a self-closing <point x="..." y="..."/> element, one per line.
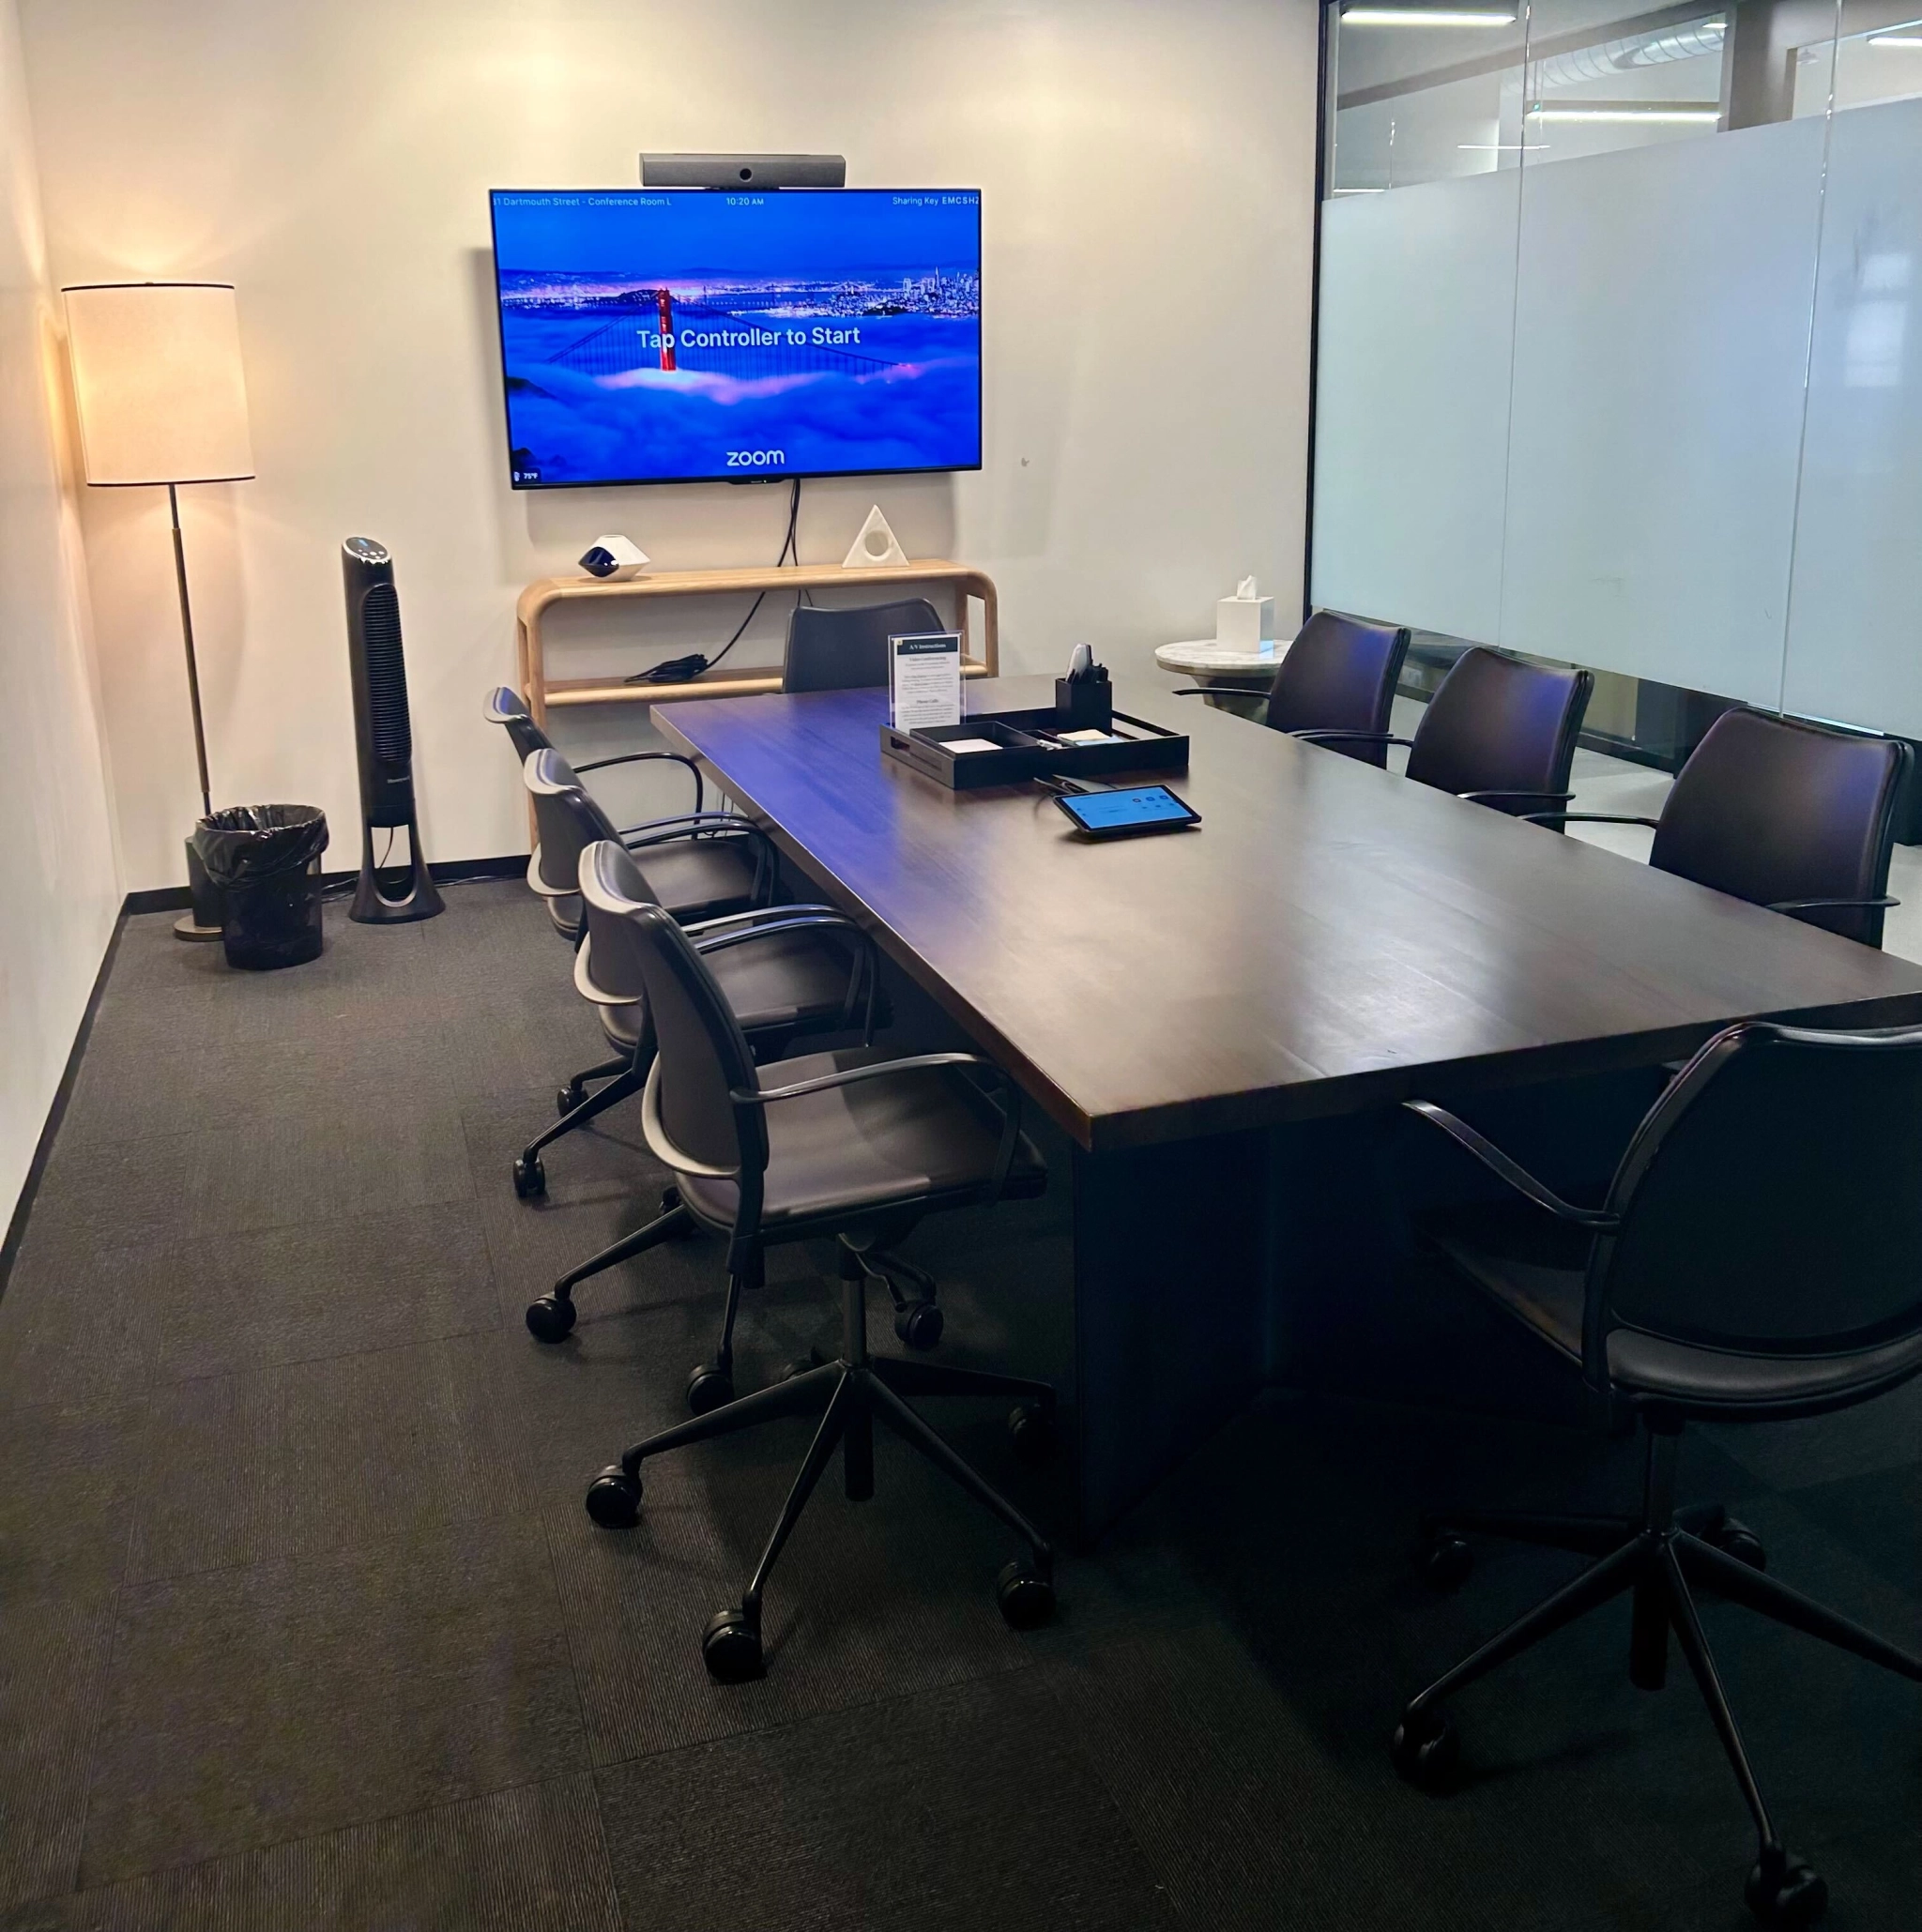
<point x="726" y="681"/>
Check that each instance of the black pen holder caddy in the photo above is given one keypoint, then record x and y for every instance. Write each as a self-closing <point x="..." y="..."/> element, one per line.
<point x="1084" y="703"/>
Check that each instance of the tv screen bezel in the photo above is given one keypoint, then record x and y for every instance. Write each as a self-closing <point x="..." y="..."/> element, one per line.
<point x="781" y="475"/>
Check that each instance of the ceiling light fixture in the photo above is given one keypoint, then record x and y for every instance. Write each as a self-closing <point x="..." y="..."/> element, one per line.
<point x="1894" y="39"/>
<point x="1421" y="17"/>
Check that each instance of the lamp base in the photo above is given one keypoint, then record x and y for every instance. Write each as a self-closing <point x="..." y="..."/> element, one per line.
<point x="203" y="921"/>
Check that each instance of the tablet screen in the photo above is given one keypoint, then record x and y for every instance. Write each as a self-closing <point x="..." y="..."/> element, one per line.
<point x="1106" y="812"/>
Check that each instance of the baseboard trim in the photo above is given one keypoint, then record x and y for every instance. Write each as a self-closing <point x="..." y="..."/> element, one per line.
<point x="37" y="1167"/>
<point x="445" y="872"/>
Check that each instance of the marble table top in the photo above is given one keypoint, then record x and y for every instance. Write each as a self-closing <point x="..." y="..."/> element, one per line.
<point x="1203" y="657"/>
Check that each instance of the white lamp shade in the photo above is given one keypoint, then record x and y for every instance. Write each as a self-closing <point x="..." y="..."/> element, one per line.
<point x="158" y="379"/>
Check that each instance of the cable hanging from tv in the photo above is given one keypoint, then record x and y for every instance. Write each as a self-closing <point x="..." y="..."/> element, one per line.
<point x="685" y="670"/>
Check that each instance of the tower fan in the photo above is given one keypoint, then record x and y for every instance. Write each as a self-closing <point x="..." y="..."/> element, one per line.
<point x="386" y="894"/>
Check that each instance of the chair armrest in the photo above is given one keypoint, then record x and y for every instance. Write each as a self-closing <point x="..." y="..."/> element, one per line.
<point x="696" y="825"/>
<point x="717" y="942"/>
<point x="1349" y="737"/>
<point x="915" y="1063"/>
<point x="1832" y="905"/>
<point x="1586" y="818"/>
<point x="1011" y="1110"/>
<point x="1484" y="798"/>
<point x="642" y="757"/>
<point x="797" y="918"/>
<point x="1517" y="1176"/>
<point x="735" y="918"/>
<point x="687" y="825"/>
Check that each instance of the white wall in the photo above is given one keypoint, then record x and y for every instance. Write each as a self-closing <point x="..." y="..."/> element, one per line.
<point x="1147" y="168"/>
<point x="59" y="889"/>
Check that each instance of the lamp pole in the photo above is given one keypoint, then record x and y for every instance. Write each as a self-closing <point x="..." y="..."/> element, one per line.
<point x="207" y="803"/>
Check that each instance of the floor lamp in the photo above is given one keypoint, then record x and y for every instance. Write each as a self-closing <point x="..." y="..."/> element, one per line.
<point x="158" y="383"/>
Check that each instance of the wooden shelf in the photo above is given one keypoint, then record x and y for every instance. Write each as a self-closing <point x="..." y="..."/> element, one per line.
<point x="963" y="583"/>
<point x="753" y="680"/>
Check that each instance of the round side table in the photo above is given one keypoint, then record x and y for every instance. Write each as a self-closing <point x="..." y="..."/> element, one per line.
<point x="1237" y="680"/>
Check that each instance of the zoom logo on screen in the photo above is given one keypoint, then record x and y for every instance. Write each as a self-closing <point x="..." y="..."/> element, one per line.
<point x="755" y="459"/>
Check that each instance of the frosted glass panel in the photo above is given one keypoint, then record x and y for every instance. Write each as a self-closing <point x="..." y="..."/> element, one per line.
<point x="1661" y="337"/>
<point x="1411" y="410"/>
<point x="1855" y="622"/>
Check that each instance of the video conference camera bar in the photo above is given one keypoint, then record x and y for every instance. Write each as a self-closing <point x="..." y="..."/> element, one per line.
<point x="743" y="171"/>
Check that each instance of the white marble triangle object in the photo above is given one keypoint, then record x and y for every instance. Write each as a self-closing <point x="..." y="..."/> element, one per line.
<point x="875" y="547"/>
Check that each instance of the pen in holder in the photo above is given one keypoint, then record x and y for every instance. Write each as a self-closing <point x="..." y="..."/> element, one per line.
<point x="1085" y="702"/>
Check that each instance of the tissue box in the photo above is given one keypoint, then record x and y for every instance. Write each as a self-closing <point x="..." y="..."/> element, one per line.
<point x="1242" y="623"/>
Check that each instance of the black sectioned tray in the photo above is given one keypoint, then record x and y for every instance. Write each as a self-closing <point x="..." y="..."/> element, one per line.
<point x="1024" y="746"/>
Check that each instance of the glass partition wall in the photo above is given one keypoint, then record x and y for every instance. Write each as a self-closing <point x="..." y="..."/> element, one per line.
<point x="1614" y="363"/>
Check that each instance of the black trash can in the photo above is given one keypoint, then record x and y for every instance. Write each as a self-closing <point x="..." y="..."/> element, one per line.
<point x="266" y="861"/>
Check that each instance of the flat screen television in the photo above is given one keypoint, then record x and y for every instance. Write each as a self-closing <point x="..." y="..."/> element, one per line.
<point x="661" y="336"/>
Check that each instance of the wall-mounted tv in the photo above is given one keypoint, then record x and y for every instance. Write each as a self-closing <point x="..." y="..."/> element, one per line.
<point x="652" y="336"/>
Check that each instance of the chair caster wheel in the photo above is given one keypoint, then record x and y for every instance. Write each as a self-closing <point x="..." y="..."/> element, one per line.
<point x="1031" y="1429"/>
<point x="530" y="1178"/>
<point x="567" y="1100"/>
<point x="920" y="1324"/>
<point x="802" y="1365"/>
<point x="550" y="1320"/>
<point x="1027" y="1600"/>
<point x="1786" y="1891"/>
<point x="1739" y="1540"/>
<point x="1446" y="1560"/>
<point x="614" y="1498"/>
<point x="709" y="1387"/>
<point x="1426" y="1749"/>
<point x="731" y="1648"/>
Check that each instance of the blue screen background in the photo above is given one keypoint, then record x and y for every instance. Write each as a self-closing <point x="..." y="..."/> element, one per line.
<point x="1151" y="805"/>
<point x="808" y="333"/>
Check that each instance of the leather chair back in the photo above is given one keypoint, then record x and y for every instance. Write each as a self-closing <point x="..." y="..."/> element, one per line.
<point x="1770" y="809"/>
<point x="566" y="819"/>
<point x="702" y="1053"/>
<point x="507" y="709"/>
<point x="613" y="945"/>
<point x="1497" y="724"/>
<point x="847" y="650"/>
<point x="569" y="821"/>
<point x="1769" y="1203"/>
<point x="1339" y="674"/>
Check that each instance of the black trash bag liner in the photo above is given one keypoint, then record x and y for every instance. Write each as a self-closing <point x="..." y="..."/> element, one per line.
<point x="243" y="843"/>
<point x="266" y="861"/>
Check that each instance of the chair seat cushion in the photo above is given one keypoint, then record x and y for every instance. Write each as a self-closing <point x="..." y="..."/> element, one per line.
<point x="699" y="879"/>
<point x="924" y="1139"/>
<point x="1536" y="1267"/>
<point x="792" y="980"/>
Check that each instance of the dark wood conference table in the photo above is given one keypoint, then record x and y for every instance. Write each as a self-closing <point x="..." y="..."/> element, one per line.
<point x="1225" y="1020"/>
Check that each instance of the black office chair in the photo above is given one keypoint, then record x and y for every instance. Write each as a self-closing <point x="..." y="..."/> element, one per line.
<point x="1759" y="1256"/>
<point x="846" y="649"/>
<point x="700" y="868"/>
<point x="1798" y="817"/>
<point x="1338" y="675"/>
<point x="707" y="879"/>
<point x="1497" y="731"/>
<point x="840" y="1145"/>
<point x="808" y="971"/>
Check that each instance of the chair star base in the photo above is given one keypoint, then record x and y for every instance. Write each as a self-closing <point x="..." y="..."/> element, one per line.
<point x="850" y="1394"/>
<point x="1660" y="1558"/>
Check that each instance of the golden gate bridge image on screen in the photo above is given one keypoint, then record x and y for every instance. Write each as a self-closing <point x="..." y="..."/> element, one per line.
<point x="694" y="336"/>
